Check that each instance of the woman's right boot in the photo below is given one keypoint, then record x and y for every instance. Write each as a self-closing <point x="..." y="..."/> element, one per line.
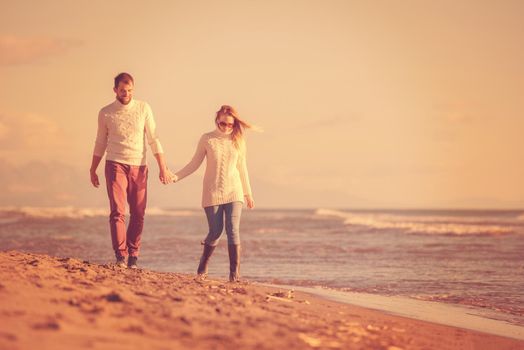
<point x="202" y="267"/>
<point x="234" y="262"/>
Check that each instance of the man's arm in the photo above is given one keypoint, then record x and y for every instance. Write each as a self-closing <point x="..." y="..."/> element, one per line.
<point x="165" y="175"/>
<point x="100" y="148"/>
<point x="94" y="164"/>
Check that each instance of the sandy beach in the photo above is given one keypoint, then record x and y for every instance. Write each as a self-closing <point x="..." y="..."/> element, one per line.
<point x="65" y="303"/>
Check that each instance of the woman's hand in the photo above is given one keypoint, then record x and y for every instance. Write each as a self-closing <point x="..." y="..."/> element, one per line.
<point x="249" y="201"/>
<point x="165" y="176"/>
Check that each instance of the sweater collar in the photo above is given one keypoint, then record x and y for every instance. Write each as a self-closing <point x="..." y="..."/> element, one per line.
<point x="120" y="105"/>
<point x="221" y="134"/>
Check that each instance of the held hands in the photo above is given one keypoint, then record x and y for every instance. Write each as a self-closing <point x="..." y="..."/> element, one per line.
<point x="249" y="201"/>
<point x="166" y="176"/>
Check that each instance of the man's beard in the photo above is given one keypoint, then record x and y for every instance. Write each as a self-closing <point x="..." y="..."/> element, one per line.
<point x="124" y="100"/>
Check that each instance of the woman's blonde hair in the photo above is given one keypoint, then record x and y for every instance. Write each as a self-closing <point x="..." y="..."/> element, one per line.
<point x="238" y="126"/>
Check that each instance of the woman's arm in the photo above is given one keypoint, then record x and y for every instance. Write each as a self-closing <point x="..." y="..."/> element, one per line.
<point x="195" y="162"/>
<point x="244" y="176"/>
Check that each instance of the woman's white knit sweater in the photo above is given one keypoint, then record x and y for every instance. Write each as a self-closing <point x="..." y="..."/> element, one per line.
<point x="226" y="178"/>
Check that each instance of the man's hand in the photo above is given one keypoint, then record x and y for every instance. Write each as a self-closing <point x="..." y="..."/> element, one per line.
<point x="174" y="178"/>
<point x="94" y="178"/>
<point x="165" y="176"/>
<point x="250" y="202"/>
<point x="94" y="164"/>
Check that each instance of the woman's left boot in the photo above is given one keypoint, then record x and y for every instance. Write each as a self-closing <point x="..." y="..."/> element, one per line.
<point x="202" y="266"/>
<point x="234" y="262"/>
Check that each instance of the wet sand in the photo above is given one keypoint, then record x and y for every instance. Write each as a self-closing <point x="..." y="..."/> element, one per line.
<point x="65" y="303"/>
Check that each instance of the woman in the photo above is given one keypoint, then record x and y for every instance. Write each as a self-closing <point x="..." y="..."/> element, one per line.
<point x="226" y="185"/>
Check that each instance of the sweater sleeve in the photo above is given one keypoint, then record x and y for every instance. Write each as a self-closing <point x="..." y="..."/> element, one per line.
<point x="101" y="136"/>
<point x="242" y="169"/>
<point x="195" y="162"/>
<point x="150" y="129"/>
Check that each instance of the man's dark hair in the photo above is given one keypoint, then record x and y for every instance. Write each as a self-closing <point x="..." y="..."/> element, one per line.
<point x="124" y="77"/>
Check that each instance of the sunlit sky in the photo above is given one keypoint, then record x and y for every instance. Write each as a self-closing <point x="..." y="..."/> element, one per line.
<point x="364" y="104"/>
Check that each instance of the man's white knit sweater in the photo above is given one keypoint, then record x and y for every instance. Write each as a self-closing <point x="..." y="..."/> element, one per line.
<point x="123" y="130"/>
<point x="226" y="178"/>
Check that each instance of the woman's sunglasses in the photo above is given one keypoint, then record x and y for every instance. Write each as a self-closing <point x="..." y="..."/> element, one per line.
<point x="226" y="125"/>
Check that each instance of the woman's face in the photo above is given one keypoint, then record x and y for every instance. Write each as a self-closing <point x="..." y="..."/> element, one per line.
<point x="226" y="123"/>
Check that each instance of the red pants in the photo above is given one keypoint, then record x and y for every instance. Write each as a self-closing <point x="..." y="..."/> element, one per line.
<point x="126" y="183"/>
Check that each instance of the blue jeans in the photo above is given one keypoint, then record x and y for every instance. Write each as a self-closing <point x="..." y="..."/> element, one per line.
<point x="215" y="219"/>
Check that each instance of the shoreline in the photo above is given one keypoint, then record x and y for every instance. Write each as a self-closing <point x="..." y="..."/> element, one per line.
<point x="65" y="303"/>
<point x="470" y="318"/>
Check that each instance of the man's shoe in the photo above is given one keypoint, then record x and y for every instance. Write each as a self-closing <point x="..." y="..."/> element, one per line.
<point x="121" y="261"/>
<point x="131" y="262"/>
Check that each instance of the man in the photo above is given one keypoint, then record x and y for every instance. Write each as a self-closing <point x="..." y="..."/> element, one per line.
<point x="123" y="128"/>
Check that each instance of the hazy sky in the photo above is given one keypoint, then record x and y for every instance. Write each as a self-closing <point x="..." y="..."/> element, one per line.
<point x="365" y="104"/>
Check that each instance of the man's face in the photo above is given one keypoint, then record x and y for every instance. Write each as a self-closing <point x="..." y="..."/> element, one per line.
<point x="124" y="92"/>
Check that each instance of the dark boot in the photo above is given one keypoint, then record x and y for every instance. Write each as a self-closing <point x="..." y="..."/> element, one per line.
<point x="202" y="267"/>
<point x="131" y="262"/>
<point x="234" y="262"/>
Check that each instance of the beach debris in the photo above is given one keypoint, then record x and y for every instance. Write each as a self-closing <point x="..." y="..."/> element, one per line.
<point x="114" y="297"/>
<point x="74" y="302"/>
<point x="355" y="330"/>
<point x="270" y="297"/>
<point x="177" y="298"/>
<point x="185" y="320"/>
<point x="290" y="294"/>
<point x="398" y="330"/>
<point x="50" y="324"/>
<point x="334" y="344"/>
<point x="313" y="342"/>
<point x="135" y="329"/>
<point x="240" y="290"/>
<point x="144" y="294"/>
<point x="8" y="336"/>
<point x="33" y="262"/>
<point x="372" y="328"/>
<point x="282" y="296"/>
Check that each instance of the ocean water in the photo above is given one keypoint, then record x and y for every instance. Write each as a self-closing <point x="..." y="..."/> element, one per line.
<point x="467" y="258"/>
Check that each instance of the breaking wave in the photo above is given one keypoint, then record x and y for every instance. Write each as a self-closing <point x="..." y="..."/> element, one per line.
<point x="14" y="214"/>
<point x="427" y="224"/>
